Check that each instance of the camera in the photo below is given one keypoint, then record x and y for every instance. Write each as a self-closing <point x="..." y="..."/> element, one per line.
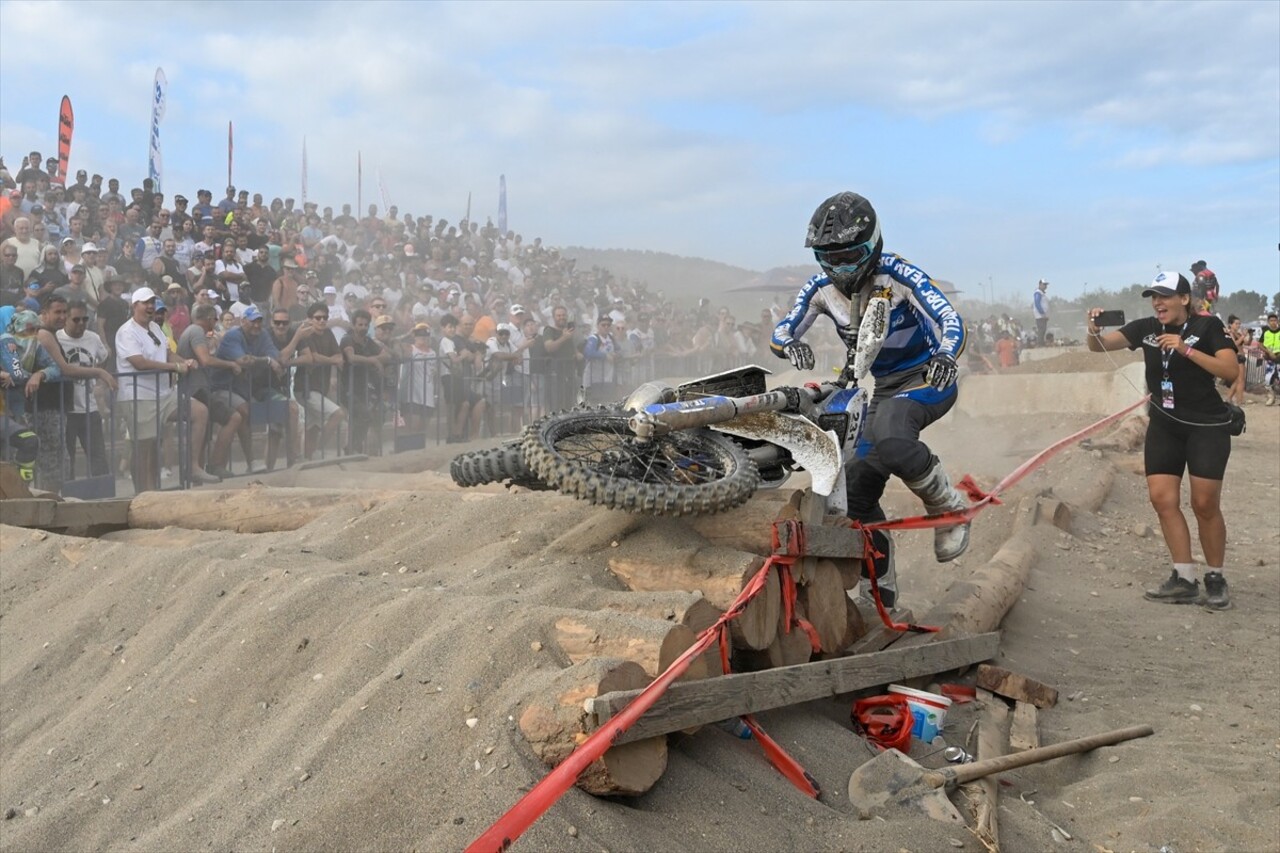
<point x="1109" y="318"/>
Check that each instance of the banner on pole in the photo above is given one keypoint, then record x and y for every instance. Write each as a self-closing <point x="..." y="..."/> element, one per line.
<point x="155" y="164"/>
<point x="66" y="124"/>
<point x="502" y="205"/>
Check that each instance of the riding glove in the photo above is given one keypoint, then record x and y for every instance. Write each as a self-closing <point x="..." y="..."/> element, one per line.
<point x="800" y="354"/>
<point x="942" y="372"/>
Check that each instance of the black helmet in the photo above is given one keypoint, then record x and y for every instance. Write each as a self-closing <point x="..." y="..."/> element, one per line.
<point x="844" y="234"/>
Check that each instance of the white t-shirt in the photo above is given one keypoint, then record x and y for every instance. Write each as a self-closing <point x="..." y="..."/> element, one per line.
<point x="88" y="350"/>
<point x="148" y="342"/>
<point x="233" y="287"/>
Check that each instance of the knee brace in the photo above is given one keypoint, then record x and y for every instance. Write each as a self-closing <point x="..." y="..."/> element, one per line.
<point x="907" y="458"/>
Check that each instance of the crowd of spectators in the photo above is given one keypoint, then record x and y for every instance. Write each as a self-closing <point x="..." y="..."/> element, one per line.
<point x="328" y="325"/>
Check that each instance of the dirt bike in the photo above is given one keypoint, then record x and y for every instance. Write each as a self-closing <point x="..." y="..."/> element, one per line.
<point x="701" y="447"/>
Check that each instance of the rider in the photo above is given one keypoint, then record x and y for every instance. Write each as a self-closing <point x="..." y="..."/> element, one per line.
<point x="914" y="368"/>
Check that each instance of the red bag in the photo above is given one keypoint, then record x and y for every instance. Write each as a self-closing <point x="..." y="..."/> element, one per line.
<point x="886" y="721"/>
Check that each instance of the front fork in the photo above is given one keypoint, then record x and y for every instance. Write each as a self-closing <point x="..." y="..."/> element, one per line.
<point x="661" y="418"/>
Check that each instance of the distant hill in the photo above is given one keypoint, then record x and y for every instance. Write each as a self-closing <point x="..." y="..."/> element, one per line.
<point x="675" y="275"/>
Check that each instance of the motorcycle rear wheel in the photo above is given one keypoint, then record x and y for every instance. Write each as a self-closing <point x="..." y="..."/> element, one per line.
<point x="494" y="465"/>
<point x="593" y="455"/>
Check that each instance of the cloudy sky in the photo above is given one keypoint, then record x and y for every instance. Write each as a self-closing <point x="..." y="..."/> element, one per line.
<point x="1000" y="142"/>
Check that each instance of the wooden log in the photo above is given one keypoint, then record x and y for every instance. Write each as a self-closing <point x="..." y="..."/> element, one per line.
<point x="719" y="574"/>
<point x="1011" y="685"/>
<point x="701" y="702"/>
<point x="49" y="514"/>
<point x="984" y="794"/>
<point x="652" y="643"/>
<point x="689" y="609"/>
<point x="555" y="721"/>
<point x="1024" y="731"/>
<point x="252" y="510"/>
<point x="748" y="527"/>
<point x="826" y="605"/>
<point x="787" y="649"/>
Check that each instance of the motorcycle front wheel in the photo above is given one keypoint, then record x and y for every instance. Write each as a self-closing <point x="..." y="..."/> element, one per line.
<point x="593" y="455"/>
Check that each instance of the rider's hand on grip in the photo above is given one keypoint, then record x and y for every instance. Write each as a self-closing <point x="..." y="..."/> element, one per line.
<point x="942" y="372"/>
<point x="800" y="354"/>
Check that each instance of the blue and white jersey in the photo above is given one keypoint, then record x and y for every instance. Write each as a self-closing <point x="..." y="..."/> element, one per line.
<point x="922" y="321"/>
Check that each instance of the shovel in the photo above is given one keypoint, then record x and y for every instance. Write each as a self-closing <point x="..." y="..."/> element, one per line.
<point x="892" y="780"/>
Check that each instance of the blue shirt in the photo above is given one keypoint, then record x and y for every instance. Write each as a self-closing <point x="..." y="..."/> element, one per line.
<point x="235" y="346"/>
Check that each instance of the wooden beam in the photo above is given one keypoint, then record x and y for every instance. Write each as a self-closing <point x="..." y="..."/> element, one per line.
<point x="701" y="702"/>
<point x="1010" y="685"/>
<point x="821" y="540"/>
<point x="1024" y="731"/>
<point x="51" y="514"/>
<point x="878" y="636"/>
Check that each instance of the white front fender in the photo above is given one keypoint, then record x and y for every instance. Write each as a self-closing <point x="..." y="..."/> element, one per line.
<point x="816" y="450"/>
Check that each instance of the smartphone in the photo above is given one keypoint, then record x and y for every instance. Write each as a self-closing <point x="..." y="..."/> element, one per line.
<point x="1109" y="318"/>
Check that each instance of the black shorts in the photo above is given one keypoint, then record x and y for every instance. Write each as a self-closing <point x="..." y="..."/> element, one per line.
<point x="1173" y="448"/>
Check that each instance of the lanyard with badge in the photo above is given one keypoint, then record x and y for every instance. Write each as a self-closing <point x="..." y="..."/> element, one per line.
<point x="1166" y="384"/>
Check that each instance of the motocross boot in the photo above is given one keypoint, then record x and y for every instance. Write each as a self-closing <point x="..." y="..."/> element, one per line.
<point x="886" y="573"/>
<point x="938" y="495"/>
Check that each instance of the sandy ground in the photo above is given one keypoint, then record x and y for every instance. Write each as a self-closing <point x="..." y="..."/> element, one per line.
<point x="309" y="690"/>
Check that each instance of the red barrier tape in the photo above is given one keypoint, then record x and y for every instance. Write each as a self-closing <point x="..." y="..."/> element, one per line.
<point x="542" y="796"/>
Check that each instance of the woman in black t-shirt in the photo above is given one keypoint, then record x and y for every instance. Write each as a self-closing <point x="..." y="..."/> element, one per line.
<point x="1184" y="353"/>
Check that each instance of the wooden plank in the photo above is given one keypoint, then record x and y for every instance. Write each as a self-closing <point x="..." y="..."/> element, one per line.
<point x="694" y="703"/>
<point x="822" y="540"/>
<point x="878" y="636"/>
<point x="1019" y="688"/>
<point x="50" y="514"/>
<point x="1024" y="731"/>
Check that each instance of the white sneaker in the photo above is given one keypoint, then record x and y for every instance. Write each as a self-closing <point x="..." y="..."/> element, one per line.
<point x="199" y="475"/>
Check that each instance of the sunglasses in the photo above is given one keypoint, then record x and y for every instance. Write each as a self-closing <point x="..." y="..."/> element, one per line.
<point x="279" y="322"/>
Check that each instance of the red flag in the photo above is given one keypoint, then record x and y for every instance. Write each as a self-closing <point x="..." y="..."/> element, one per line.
<point x="66" y="124"/>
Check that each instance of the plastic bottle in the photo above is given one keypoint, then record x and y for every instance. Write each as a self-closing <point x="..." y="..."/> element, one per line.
<point x="736" y="727"/>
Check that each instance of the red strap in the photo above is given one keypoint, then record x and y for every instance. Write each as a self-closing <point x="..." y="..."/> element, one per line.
<point x="815" y="642"/>
<point x="781" y="759"/>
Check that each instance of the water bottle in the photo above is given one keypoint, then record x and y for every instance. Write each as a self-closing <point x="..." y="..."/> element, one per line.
<point x="736" y="727"/>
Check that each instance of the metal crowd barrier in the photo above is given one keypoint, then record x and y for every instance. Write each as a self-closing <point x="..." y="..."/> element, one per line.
<point x="409" y="404"/>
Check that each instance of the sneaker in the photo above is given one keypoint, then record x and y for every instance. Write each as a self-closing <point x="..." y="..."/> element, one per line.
<point x="200" y="476"/>
<point x="1215" y="592"/>
<point x="220" y="472"/>
<point x="1176" y="591"/>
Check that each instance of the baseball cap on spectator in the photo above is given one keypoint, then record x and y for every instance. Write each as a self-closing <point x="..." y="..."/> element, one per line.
<point x="90" y="247"/>
<point x="421" y="329"/>
<point x="142" y="294"/>
<point x="81" y="173"/>
<point x="290" y="263"/>
<point x="31" y="303"/>
<point x="33" y="285"/>
<point x="160" y="306"/>
<point x="237" y="309"/>
<point x="252" y="313"/>
<point x="66" y="240"/>
<point x="1166" y="284"/>
<point x="78" y="268"/>
<point x="331" y="291"/>
<point x="179" y="199"/>
<point x="213" y="295"/>
<point x="37" y="208"/>
<point x="353" y="295"/>
<point x="167" y="281"/>
<point x="173" y="285"/>
<point x="383" y="320"/>
<point x="505" y="328"/>
<point x="519" y="309"/>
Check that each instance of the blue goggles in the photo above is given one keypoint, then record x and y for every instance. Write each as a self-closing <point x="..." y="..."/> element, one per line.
<point x="845" y="258"/>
